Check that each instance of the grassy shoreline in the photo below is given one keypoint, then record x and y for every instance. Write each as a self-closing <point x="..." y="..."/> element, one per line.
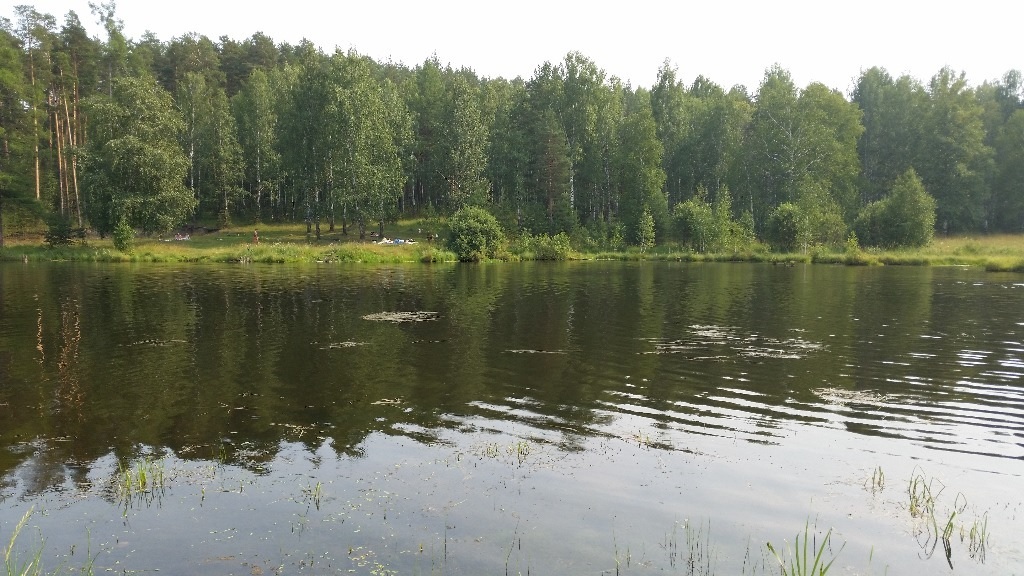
<point x="288" y="243"/>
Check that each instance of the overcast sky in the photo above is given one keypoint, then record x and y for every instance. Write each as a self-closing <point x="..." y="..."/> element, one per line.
<point x="728" y="42"/>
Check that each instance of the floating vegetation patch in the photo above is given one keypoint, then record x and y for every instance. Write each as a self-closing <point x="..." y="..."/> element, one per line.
<point x="840" y="396"/>
<point x="156" y="342"/>
<point x="707" y="343"/>
<point x="297" y="429"/>
<point x="536" y="351"/>
<point x="400" y="317"/>
<point x="340" y="345"/>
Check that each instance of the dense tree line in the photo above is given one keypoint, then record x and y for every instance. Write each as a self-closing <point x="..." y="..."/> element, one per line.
<point x="149" y="135"/>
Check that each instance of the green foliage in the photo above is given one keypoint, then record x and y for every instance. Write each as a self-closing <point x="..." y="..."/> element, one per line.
<point x="906" y="218"/>
<point x="571" y="149"/>
<point x="800" y="560"/>
<point x="783" y="230"/>
<point x="13" y="565"/>
<point x="1007" y="199"/>
<point x="695" y="224"/>
<point x="645" y="233"/>
<point x="463" y="147"/>
<point x="893" y="112"/>
<point x="852" y="244"/>
<point x="641" y="176"/>
<point x="813" y="221"/>
<point x="59" y="232"/>
<point x="133" y="167"/>
<point x="821" y="223"/>
<point x="704" y="228"/>
<point x="474" y="234"/>
<point x="124" y="237"/>
<point x="255" y="110"/>
<point x="955" y="161"/>
<point x="543" y="246"/>
<point x="224" y="218"/>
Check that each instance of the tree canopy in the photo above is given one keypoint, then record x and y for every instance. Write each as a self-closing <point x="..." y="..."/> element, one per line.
<point x="155" y="134"/>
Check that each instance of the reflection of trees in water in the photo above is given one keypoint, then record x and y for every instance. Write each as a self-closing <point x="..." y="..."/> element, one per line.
<point x="229" y="363"/>
<point x="69" y="391"/>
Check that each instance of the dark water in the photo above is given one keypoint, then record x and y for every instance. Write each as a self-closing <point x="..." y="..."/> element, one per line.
<point x="582" y="418"/>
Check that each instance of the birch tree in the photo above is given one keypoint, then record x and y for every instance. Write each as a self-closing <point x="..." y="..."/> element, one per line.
<point x="255" y="113"/>
<point x="133" y="167"/>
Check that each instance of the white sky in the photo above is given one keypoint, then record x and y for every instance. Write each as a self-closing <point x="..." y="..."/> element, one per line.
<point x="728" y="42"/>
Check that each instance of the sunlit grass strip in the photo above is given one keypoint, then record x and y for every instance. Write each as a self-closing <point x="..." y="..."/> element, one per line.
<point x="264" y="254"/>
<point x="289" y="243"/>
<point x="1005" y="265"/>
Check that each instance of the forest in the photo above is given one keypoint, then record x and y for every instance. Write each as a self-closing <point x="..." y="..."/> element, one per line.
<point x="122" y="136"/>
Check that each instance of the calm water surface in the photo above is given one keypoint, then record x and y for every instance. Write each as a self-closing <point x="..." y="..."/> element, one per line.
<point x="580" y="418"/>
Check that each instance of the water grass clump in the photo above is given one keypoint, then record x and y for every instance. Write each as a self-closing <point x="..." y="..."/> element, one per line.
<point x="922" y="496"/>
<point x="145" y="476"/>
<point x="806" y="558"/>
<point x="313" y="494"/>
<point x="12" y="564"/>
<point x="877" y="480"/>
<point x="933" y="528"/>
<point x="978" y="536"/>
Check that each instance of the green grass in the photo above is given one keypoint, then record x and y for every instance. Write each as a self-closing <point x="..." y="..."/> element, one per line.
<point x="805" y="558"/>
<point x="15" y="566"/>
<point x="144" y="476"/>
<point x="922" y="496"/>
<point x="289" y="243"/>
<point x="313" y="494"/>
<point x="978" y="535"/>
<point x="279" y="243"/>
<point x="931" y="528"/>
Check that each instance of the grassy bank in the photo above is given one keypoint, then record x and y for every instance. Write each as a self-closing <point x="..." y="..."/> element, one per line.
<point x="994" y="253"/>
<point x="277" y="244"/>
<point x="289" y="243"/>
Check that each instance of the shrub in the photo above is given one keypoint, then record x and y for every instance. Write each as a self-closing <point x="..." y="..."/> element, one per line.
<point x="645" y="232"/>
<point x="784" y="227"/>
<point x="905" y="218"/>
<point x="695" y="224"/>
<point x="124" y="237"/>
<point x="59" y="232"/>
<point x="544" y="247"/>
<point x="474" y="234"/>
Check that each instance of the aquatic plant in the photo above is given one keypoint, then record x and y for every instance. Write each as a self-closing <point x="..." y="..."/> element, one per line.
<point x="698" y="561"/>
<point x="401" y="317"/>
<point x="805" y="558"/>
<point x="642" y="439"/>
<point x="877" y="480"/>
<point x="313" y="493"/>
<point x="921" y="496"/>
<point x="12" y="565"/>
<point x="978" y="535"/>
<point x="923" y="506"/>
<point x="520" y="450"/>
<point x="146" y="475"/>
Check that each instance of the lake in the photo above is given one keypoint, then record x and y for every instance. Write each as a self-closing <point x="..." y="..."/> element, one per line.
<point x="535" y="418"/>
